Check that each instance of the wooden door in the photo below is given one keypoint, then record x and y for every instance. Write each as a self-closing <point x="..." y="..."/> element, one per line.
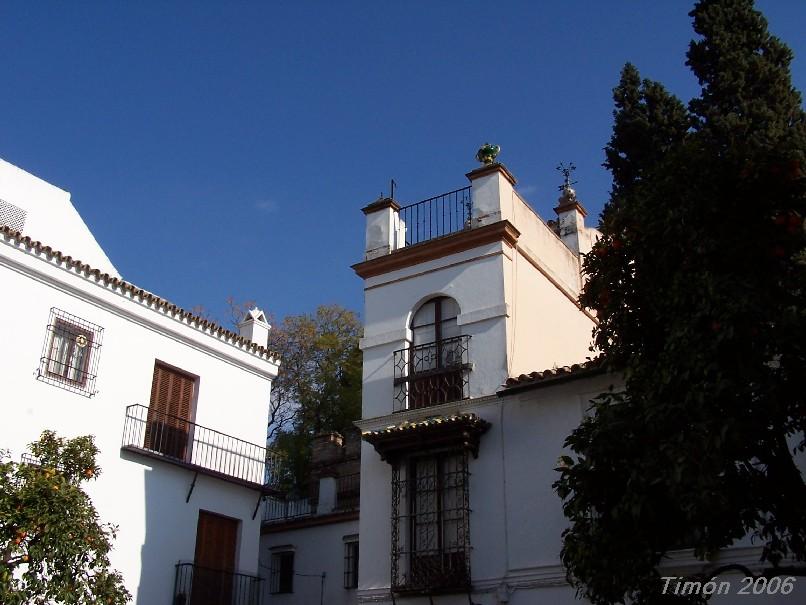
<point x="168" y="422"/>
<point x="214" y="562"/>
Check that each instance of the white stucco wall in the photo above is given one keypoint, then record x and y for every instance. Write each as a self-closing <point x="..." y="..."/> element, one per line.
<point x="317" y="549"/>
<point x="517" y="303"/>
<point x="144" y="497"/>
<point x="516" y="517"/>
<point x="547" y="329"/>
<point x="51" y="217"/>
<point x="391" y="299"/>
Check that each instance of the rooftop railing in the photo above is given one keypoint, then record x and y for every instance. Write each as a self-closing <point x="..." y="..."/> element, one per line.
<point x="174" y="439"/>
<point x="431" y="373"/>
<point x="278" y="510"/>
<point x="437" y="216"/>
<point x="197" y="585"/>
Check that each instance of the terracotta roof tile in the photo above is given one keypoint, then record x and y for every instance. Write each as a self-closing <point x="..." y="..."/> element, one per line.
<point x="426" y="422"/>
<point x="144" y="296"/>
<point x="535" y="379"/>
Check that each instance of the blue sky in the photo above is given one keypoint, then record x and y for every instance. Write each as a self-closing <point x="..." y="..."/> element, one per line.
<point x="221" y="149"/>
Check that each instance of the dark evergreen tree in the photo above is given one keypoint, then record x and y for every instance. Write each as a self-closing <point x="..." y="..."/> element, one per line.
<point x="699" y="283"/>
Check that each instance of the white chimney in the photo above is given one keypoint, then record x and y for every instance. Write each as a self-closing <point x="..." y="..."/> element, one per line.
<point x="571" y="221"/>
<point x="255" y="327"/>
<point x="383" y="233"/>
<point x="493" y="192"/>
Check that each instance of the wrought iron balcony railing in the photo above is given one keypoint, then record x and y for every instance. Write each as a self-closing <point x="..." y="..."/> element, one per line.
<point x="196" y="585"/>
<point x="278" y="510"/>
<point x="188" y="444"/>
<point x="348" y="491"/>
<point x="432" y="373"/>
<point x="437" y="216"/>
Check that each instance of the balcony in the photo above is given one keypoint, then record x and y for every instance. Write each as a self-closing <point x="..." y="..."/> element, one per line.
<point x="279" y="510"/>
<point x="195" y="585"/>
<point x="437" y="216"/>
<point x="176" y="440"/>
<point x="431" y="373"/>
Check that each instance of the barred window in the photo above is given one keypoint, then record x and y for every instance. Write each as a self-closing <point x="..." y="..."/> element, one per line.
<point x="350" y="563"/>
<point x="70" y="353"/>
<point x="430" y="523"/>
<point x="281" y="579"/>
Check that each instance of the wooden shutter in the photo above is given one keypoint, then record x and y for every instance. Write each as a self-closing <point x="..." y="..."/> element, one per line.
<point x="168" y="422"/>
<point x="171" y="392"/>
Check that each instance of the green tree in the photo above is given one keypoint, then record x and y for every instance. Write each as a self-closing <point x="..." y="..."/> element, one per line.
<point x="699" y="283"/>
<point x="53" y="549"/>
<point x="318" y="388"/>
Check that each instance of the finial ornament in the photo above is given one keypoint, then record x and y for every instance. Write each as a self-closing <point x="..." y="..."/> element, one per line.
<point x="487" y="153"/>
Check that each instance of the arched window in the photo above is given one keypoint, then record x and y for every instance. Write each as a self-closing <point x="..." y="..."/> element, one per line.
<point x="435" y="321"/>
<point x="433" y="369"/>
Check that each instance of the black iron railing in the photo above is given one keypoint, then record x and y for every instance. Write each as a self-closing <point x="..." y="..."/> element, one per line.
<point x="189" y="444"/>
<point x="196" y="585"/>
<point x="70" y="353"/>
<point x="348" y="491"/>
<point x="437" y="216"/>
<point x="432" y="373"/>
<point x="278" y="510"/>
<point x="431" y="524"/>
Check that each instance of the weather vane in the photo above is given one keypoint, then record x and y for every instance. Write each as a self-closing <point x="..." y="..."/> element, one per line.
<point x="566" y="171"/>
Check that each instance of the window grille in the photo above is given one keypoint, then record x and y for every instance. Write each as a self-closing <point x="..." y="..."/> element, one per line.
<point x="351" y="564"/>
<point x="430" y="524"/>
<point x="70" y="353"/>
<point x="431" y="373"/>
<point x="433" y="368"/>
<point x="12" y="216"/>
<point x="281" y="579"/>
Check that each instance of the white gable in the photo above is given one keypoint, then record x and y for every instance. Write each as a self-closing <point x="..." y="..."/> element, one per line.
<point x="46" y="214"/>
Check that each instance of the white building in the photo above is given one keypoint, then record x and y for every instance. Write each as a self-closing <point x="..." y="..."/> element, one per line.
<point x="309" y="545"/>
<point x="178" y="405"/>
<point x="475" y="372"/>
<point x="449" y="319"/>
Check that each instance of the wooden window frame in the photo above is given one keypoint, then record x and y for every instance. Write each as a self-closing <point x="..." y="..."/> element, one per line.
<point x="351" y="554"/>
<point x="70" y="353"/>
<point x="63" y="328"/>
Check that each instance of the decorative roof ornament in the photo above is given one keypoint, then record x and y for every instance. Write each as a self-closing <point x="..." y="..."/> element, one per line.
<point x="488" y="153"/>
<point x="566" y="191"/>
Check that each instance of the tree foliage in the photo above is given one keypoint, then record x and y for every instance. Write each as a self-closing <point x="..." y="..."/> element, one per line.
<point x="319" y="385"/>
<point x="53" y="548"/>
<point x="699" y="282"/>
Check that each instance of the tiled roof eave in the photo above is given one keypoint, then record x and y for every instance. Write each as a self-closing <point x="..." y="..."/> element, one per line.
<point x="134" y="293"/>
<point x="552" y="376"/>
<point x="455" y="431"/>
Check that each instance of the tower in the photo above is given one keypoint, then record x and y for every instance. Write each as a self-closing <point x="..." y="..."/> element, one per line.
<point x="462" y="291"/>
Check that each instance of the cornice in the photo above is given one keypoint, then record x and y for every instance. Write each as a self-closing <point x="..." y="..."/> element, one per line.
<point x="490" y="169"/>
<point x="501" y="231"/>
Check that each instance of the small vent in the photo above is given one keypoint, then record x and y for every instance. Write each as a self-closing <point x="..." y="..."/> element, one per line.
<point x="12" y="216"/>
